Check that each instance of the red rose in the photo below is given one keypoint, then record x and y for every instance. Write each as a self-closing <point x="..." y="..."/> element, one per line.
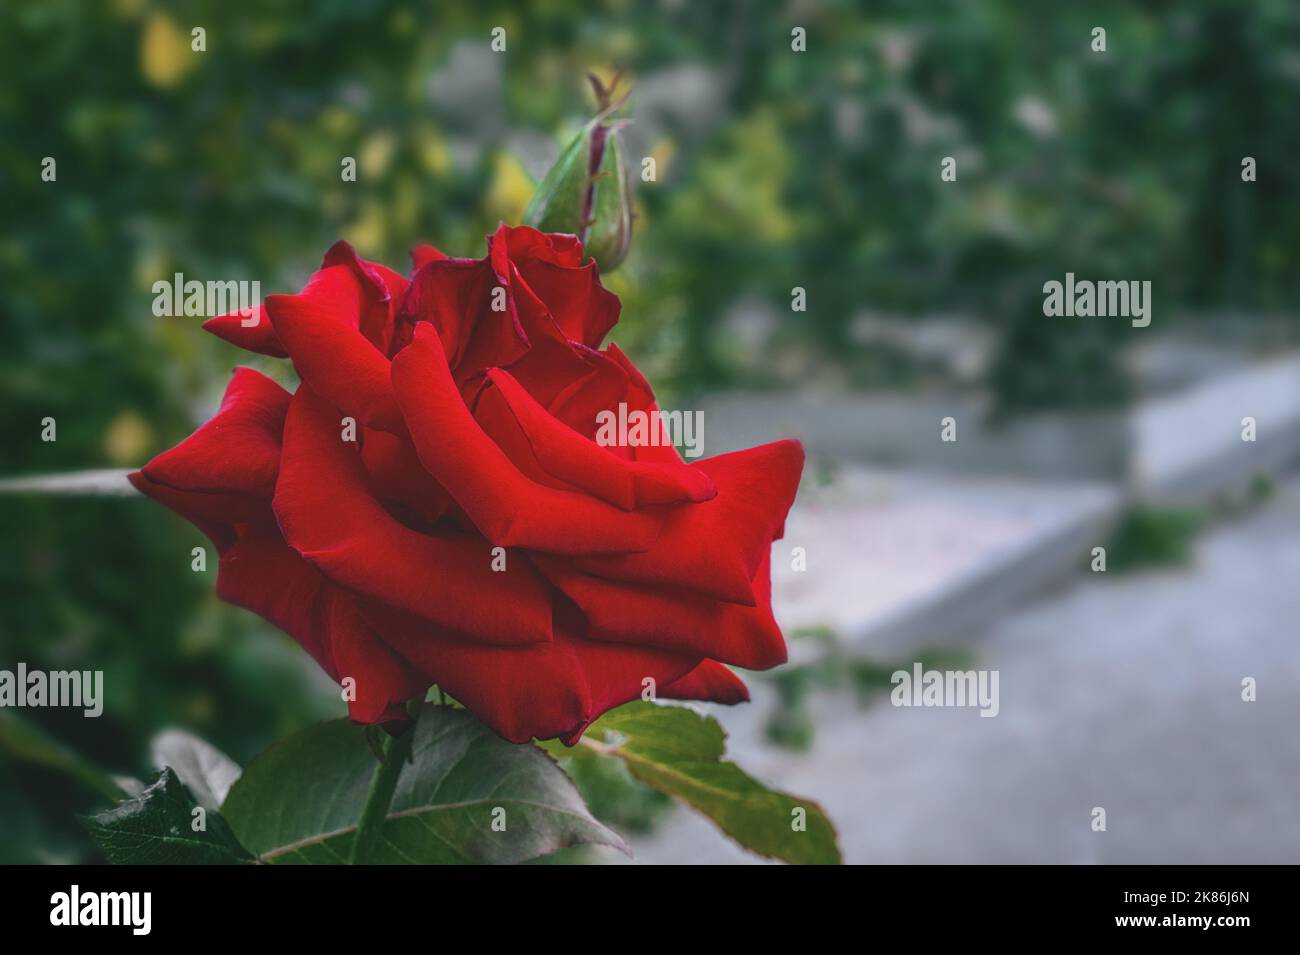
<point x="475" y="431"/>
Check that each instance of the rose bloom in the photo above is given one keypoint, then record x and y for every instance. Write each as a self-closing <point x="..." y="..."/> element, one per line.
<point x="474" y="447"/>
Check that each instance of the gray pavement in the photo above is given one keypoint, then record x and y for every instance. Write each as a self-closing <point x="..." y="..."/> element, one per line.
<point x="1120" y="692"/>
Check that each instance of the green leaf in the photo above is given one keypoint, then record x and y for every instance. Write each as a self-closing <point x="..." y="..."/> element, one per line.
<point x="207" y="772"/>
<point x="614" y="797"/>
<point x="30" y="743"/>
<point x="299" y="801"/>
<point x="680" y="752"/>
<point x="157" y="827"/>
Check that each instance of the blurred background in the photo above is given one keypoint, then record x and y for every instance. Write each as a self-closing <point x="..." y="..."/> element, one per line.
<point x="775" y="170"/>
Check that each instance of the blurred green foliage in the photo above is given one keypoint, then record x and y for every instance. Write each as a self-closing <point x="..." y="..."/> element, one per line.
<point x="790" y="724"/>
<point x="614" y="797"/>
<point x="775" y="169"/>
<point x="1151" y="536"/>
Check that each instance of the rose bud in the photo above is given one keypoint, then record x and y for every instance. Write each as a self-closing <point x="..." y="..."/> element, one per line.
<point x="587" y="192"/>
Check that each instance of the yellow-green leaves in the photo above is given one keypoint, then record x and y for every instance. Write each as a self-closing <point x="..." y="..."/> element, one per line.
<point x="680" y="753"/>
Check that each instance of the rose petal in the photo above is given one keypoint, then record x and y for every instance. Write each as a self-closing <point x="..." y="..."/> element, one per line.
<point x="399" y="478"/>
<point x="506" y="507"/>
<point x="710" y="682"/>
<point x="330" y="516"/>
<point x="582" y="308"/>
<point x="674" y="619"/>
<point x="216" y="515"/>
<point x="460" y="298"/>
<point x="423" y="254"/>
<point x="321" y="329"/>
<point x="385" y="289"/>
<point x="456" y="297"/>
<point x="554" y="371"/>
<point x="618" y="674"/>
<point x="641" y="394"/>
<point x="524" y="243"/>
<point x="544" y="690"/>
<point x="252" y="332"/>
<point x="520" y="692"/>
<point x="515" y="420"/>
<point x="715" y="548"/>
<point x="238" y="450"/>
<point x="263" y="574"/>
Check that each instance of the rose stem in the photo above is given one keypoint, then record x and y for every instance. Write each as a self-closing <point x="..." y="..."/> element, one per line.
<point x="397" y="749"/>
